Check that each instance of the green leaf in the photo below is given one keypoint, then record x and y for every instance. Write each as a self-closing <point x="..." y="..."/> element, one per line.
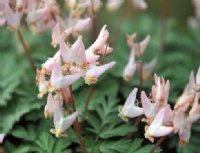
<point x="47" y="143"/>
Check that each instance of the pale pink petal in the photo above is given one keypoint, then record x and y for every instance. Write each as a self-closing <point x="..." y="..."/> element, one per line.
<point x="113" y="5"/>
<point x="78" y="51"/>
<point x="162" y="131"/>
<point x="198" y="77"/>
<point x="56" y="35"/>
<point x="2" y="135"/>
<point x="82" y="25"/>
<point x="140" y="4"/>
<point x="144" y="43"/>
<point x="149" y="108"/>
<point x="68" y="121"/>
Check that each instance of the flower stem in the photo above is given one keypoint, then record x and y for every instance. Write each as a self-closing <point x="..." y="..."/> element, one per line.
<point x="159" y="142"/>
<point x="26" y="50"/>
<point x="90" y="92"/>
<point x="76" y="124"/>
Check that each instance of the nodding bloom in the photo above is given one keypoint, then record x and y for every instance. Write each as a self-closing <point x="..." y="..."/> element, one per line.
<point x="12" y="18"/>
<point x="62" y="122"/>
<point x="130" y="67"/>
<point x="157" y="127"/>
<point x="113" y="5"/>
<point x="2" y="135"/>
<point x="94" y="72"/>
<point x="189" y="91"/>
<point x="147" y="70"/>
<point x="137" y="49"/>
<point x="130" y="108"/>
<point x="184" y="117"/>
<point x="152" y="108"/>
<point x="58" y="80"/>
<point x="52" y="101"/>
<point x="160" y="91"/>
<point x="140" y="47"/>
<point x="98" y="46"/>
<point x="140" y="4"/>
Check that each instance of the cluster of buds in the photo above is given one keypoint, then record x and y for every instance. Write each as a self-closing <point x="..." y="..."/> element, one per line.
<point x="194" y="21"/>
<point x="43" y="15"/>
<point x="161" y="120"/>
<point x="69" y="64"/>
<point x="113" y="5"/>
<point x="137" y="50"/>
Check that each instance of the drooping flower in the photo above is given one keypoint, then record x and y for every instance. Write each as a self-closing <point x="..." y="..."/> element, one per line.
<point x="160" y="91"/>
<point x="140" y="47"/>
<point x="2" y="135"/>
<point x="130" y="109"/>
<point x="148" y="69"/>
<point x="62" y="122"/>
<point x="52" y="101"/>
<point x="184" y="117"/>
<point x="58" y="80"/>
<point x="130" y="67"/>
<point x="113" y="5"/>
<point x="157" y="128"/>
<point x="94" y="72"/>
<point x="140" y="4"/>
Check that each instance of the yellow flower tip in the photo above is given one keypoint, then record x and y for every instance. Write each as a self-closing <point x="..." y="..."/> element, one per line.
<point x="124" y="118"/>
<point x="47" y="115"/>
<point x="57" y="133"/>
<point x="127" y="78"/>
<point x="40" y="95"/>
<point x="182" y="142"/>
<point x="90" y="80"/>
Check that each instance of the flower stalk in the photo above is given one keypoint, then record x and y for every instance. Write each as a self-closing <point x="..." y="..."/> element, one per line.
<point x="26" y="50"/>
<point x="76" y="124"/>
<point x="160" y="141"/>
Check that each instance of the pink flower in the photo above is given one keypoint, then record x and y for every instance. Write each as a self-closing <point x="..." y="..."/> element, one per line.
<point x="101" y="41"/>
<point x="2" y="135"/>
<point x="188" y="93"/>
<point x="56" y="35"/>
<point x="81" y="25"/>
<point x="113" y="5"/>
<point x="148" y="69"/>
<point x="12" y="18"/>
<point x="94" y="72"/>
<point x="58" y="80"/>
<point x="184" y="117"/>
<point x="52" y="101"/>
<point x="160" y="91"/>
<point x="140" y="47"/>
<point x="130" y="109"/>
<point x="157" y="129"/>
<point x="62" y="123"/>
<point x="130" y="67"/>
<point x="150" y="109"/>
<point x="140" y="4"/>
<point x="75" y="54"/>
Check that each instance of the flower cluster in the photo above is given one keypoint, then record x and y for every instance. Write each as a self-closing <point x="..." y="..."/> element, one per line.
<point x="69" y="64"/>
<point x="137" y="50"/>
<point x="113" y="5"/>
<point x="42" y="15"/>
<point x="161" y="120"/>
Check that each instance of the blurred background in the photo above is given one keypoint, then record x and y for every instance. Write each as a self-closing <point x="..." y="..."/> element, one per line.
<point x="174" y="42"/>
